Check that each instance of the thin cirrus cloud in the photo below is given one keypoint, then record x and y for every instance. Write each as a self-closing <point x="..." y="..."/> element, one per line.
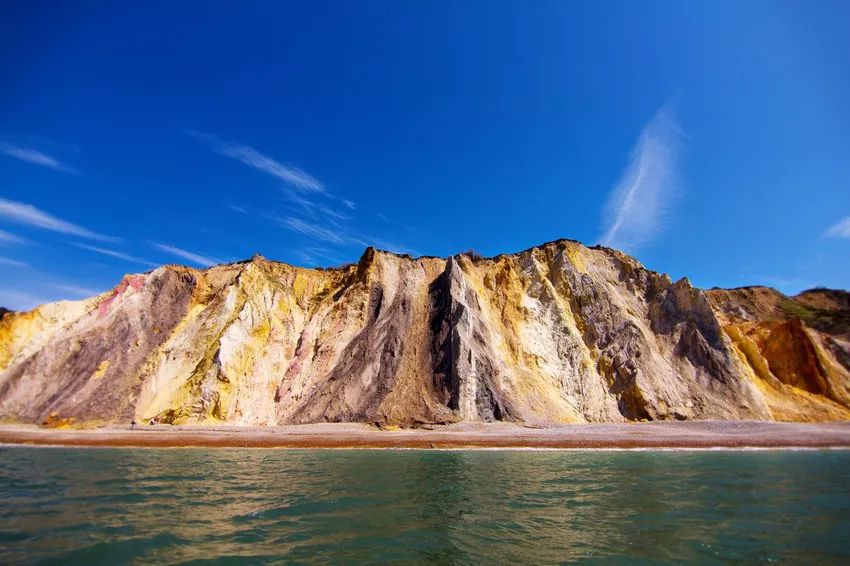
<point x="28" y="215"/>
<point x="310" y="253"/>
<point x="36" y="157"/>
<point x="7" y="238"/>
<point x="312" y="208"/>
<point x="76" y="290"/>
<point x="187" y="255"/>
<point x="638" y="203"/>
<point x="338" y="236"/>
<point x="293" y="176"/>
<point x="12" y="262"/>
<point x="839" y="230"/>
<point x="116" y="254"/>
<point x="314" y="230"/>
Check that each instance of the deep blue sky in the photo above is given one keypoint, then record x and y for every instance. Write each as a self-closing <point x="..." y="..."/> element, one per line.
<point x="709" y="139"/>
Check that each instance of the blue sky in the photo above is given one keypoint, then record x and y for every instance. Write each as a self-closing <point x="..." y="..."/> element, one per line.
<point x="708" y="139"/>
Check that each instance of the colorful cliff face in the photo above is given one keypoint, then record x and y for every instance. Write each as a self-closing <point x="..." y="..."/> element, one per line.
<point x="555" y="334"/>
<point x="798" y="349"/>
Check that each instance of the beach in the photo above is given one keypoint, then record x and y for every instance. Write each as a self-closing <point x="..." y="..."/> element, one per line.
<point x="645" y="435"/>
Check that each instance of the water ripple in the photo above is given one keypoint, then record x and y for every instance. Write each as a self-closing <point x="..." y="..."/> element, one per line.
<point x="195" y="506"/>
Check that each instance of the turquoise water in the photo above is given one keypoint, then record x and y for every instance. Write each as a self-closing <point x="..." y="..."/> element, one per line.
<point x="114" y="506"/>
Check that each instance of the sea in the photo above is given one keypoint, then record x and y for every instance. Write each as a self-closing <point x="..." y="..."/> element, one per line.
<point x="270" y="506"/>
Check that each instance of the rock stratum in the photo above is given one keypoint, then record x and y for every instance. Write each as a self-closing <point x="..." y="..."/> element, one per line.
<point x="559" y="333"/>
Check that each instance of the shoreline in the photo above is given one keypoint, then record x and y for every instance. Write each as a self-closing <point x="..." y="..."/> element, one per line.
<point x="619" y="436"/>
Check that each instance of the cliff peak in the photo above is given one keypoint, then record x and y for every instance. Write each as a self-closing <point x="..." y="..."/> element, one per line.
<point x="557" y="333"/>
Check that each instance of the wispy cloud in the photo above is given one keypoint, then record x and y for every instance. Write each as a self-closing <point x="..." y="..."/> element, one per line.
<point x="116" y="254"/>
<point x="389" y="246"/>
<point x="636" y="207"/>
<point x="314" y="230"/>
<point x="312" y="255"/>
<point x="315" y="210"/>
<point x="12" y="262"/>
<point x="322" y="253"/>
<point x="188" y="256"/>
<point x="300" y="201"/>
<point x="7" y="238"/>
<point x="331" y="213"/>
<point x="29" y="215"/>
<point x="76" y="291"/>
<point x="294" y="176"/>
<point x="339" y="236"/>
<point x="36" y="157"/>
<point x="839" y="230"/>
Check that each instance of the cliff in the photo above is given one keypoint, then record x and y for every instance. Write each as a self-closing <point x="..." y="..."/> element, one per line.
<point x="797" y="348"/>
<point x="559" y="333"/>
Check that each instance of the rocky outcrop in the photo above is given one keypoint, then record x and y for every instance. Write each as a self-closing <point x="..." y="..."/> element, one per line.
<point x="796" y="348"/>
<point x="558" y="333"/>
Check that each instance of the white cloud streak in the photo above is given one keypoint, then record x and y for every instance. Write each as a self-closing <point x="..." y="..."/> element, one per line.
<point x="293" y="176"/>
<point x="339" y="236"/>
<point x="636" y="207"/>
<point x="839" y="230"/>
<point x="313" y="209"/>
<point x="314" y="230"/>
<point x="321" y="253"/>
<point x="36" y="157"/>
<point x="388" y="246"/>
<point x="7" y="238"/>
<point x="311" y="255"/>
<point x="117" y="254"/>
<point x="330" y="213"/>
<point x="76" y="291"/>
<point x="12" y="262"/>
<point x="29" y="215"/>
<point x="189" y="256"/>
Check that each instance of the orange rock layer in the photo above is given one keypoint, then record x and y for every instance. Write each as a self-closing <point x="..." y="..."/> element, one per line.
<point x="559" y="333"/>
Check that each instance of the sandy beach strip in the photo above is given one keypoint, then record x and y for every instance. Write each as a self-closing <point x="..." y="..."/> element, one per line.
<point x="691" y="434"/>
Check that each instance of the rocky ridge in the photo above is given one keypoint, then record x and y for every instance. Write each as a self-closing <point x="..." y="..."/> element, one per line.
<point x="559" y="333"/>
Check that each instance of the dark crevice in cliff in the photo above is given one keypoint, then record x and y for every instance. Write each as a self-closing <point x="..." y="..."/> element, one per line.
<point x="444" y="379"/>
<point x="460" y="350"/>
<point x="356" y="386"/>
<point x="376" y="297"/>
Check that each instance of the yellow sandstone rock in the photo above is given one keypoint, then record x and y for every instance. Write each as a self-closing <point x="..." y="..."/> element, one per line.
<point x="558" y="333"/>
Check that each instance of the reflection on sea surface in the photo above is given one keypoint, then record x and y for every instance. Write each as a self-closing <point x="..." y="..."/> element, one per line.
<point x="178" y="505"/>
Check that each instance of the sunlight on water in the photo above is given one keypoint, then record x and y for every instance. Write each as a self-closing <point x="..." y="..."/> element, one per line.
<point x="114" y="506"/>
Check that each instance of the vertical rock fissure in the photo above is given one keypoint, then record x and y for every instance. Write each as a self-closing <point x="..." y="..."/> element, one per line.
<point x="464" y="371"/>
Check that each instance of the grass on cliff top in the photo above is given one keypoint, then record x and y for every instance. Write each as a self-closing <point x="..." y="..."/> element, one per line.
<point x="829" y="321"/>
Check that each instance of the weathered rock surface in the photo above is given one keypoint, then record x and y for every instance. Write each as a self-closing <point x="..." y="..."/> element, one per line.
<point x="797" y="348"/>
<point x="555" y="334"/>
